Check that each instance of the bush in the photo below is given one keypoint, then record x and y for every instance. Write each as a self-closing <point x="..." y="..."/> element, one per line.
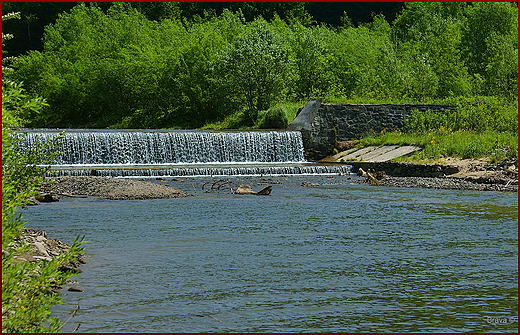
<point x="482" y="114"/>
<point x="273" y="118"/>
<point x="26" y="301"/>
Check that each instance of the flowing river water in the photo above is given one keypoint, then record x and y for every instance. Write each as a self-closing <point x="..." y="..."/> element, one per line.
<point x="334" y="257"/>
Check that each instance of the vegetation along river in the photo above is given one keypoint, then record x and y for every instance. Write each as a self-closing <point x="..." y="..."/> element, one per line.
<point x="335" y="256"/>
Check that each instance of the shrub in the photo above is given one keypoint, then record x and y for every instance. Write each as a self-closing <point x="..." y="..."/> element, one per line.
<point x="273" y="118"/>
<point x="26" y="301"/>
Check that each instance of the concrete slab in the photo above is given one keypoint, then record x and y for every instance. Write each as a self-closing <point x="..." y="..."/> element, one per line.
<point x="356" y="154"/>
<point x="397" y="152"/>
<point x="339" y="155"/>
<point x="369" y="156"/>
<point x="372" y="154"/>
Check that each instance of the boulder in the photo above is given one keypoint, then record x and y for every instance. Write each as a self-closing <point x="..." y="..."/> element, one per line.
<point x="25" y="257"/>
<point x="41" y="248"/>
<point x="265" y="191"/>
<point x="244" y="189"/>
<point x="345" y="145"/>
<point x="46" y="197"/>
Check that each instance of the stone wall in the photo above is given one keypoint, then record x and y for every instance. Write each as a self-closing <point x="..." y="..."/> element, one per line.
<point x="322" y="125"/>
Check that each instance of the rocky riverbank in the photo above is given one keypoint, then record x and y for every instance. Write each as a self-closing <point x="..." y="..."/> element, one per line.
<point x="472" y="175"/>
<point x="43" y="248"/>
<point x="108" y="188"/>
<point x="446" y="184"/>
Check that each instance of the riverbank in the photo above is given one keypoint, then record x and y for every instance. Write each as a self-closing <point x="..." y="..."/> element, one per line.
<point x="446" y="184"/>
<point x="469" y="174"/>
<point x="44" y="248"/>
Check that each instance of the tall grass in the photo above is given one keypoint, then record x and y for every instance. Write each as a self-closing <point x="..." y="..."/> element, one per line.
<point x="448" y="143"/>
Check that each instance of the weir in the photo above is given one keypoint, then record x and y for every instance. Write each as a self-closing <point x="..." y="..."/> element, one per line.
<point x="147" y="153"/>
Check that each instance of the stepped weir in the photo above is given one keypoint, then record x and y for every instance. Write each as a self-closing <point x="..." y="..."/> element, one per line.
<point x="147" y="153"/>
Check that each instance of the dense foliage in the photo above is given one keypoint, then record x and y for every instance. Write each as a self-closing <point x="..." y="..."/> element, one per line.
<point x="26" y="286"/>
<point x="118" y="68"/>
<point x="36" y="15"/>
<point x="27" y="295"/>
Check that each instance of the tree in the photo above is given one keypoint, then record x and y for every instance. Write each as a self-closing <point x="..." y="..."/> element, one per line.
<point x="256" y="68"/>
<point x="490" y="44"/>
<point x="429" y="37"/>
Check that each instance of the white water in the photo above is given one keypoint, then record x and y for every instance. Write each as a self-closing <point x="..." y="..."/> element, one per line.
<point x="179" y="153"/>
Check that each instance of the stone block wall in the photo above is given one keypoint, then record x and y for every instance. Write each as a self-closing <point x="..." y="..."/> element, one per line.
<point x="322" y="125"/>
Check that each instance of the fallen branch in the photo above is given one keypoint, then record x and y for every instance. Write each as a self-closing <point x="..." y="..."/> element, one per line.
<point x="70" y="317"/>
<point x="218" y="185"/>
<point x="79" y="324"/>
<point x="370" y="178"/>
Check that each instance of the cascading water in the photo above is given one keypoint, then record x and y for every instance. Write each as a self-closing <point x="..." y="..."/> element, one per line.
<point x="179" y="153"/>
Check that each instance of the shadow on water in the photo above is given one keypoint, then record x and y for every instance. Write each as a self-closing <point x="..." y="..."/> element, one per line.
<point x="333" y="257"/>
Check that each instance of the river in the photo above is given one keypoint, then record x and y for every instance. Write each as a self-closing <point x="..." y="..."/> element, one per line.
<point x="334" y="257"/>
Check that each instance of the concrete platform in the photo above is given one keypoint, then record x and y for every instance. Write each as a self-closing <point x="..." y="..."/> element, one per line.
<point x="372" y="154"/>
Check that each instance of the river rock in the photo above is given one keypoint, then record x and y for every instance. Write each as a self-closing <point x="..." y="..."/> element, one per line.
<point x="40" y="238"/>
<point x="25" y="257"/>
<point x="307" y="184"/>
<point x="265" y="191"/>
<point x="41" y="248"/>
<point x="46" y="197"/>
<point x="244" y="189"/>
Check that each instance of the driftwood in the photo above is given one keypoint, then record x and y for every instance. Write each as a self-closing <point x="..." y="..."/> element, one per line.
<point x="217" y="186"/>
<point x="221" y="184"/>
<point x="246" y="189"/>
<point x="370" y="178"/>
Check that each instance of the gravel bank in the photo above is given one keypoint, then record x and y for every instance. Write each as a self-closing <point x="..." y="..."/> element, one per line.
<point x="446" y="183"/>
<point x="111" y="188"/>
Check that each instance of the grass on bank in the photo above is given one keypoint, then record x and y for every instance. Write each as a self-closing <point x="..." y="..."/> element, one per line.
<point x="497" y="146"/>
<point x="476" y="128"/>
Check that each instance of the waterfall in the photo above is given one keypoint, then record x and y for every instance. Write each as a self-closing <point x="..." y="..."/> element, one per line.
<point x="177" y="153"/>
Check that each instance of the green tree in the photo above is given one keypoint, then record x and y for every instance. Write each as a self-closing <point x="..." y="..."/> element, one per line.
<point x="428" y="36"/>
<point x="257" y="68"/>
<point x="192" y="71"/>
<point x="490" y="45"/>
<point x="313" y="62"/>
<point x="6" y="37"/>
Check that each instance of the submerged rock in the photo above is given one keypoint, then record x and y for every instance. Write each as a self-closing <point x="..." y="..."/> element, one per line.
<point x="46" y="197"/>
<point x="265" y="191"/>
<point x="244" y="189"/>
